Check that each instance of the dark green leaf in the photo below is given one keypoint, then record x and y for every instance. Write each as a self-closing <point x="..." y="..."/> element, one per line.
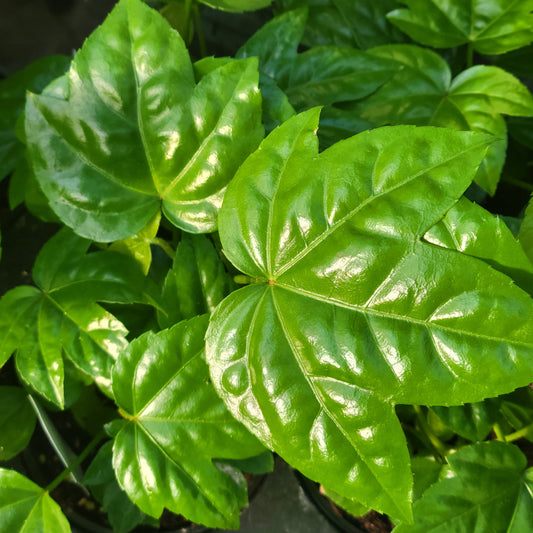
<point x="128" y="131"/>
<point x="422" y="92"/>
<point x="17" y="421"/>
<point x="426" y="472"/>
<point x="352" y="313"/>
<point x="61" y="318"/>
<point x="33" y="78"/>
<point x="122" y="514"/>
<point x="260" y="464"/>
<point x="197" y="282"/>
<point x="490" y="490"/>
<point x="517" y="408"/>
<point x="25" y="507"/>
<point x="491" y="26"/>
<point x="526" y="231"/>
<point x="177" y="425"/>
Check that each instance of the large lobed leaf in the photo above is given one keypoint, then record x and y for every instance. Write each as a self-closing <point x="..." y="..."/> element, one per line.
<point x="489" y="488"/>
<point x="352" y="312"/>
<point x="128" y="131"/>
<point x="176" y="426"/>
<point x="491" y="26"/>
<point x="60" y="317"/>
<point x="26" y="508"/>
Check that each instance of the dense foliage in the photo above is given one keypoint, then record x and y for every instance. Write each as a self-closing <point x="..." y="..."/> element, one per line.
<point x="281" y="251"/>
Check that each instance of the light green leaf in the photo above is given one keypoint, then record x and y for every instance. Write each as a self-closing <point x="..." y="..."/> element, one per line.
<point x="351" y="506"/>
<point x="33" y="78"/>
<point x="61" y="318"/>
<point x="490" y="491"/>
<point x="26" y="508"/>
<point x="163" y="457"/>
<point x="17" y="422"/>
<point x="196" y="283"/>
<point x="526" y="231"/>
<point x="128" y="131"/>
<point x="426" y="472"/>
<point x="491" y="26"/>
<point x="237" y="6"/>
<point x="352" y="312"/>
<point x="471" y="230"/>
<point x="138" y="245"/>
<point x="422" y="92"/>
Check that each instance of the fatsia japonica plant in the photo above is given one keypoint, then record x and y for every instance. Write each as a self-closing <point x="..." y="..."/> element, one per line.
<point x="289" y="250"/>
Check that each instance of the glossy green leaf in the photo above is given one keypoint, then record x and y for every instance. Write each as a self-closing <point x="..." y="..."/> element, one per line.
<point x="33" y="78"/>
<point x="352" y="312"/>
<point x="26" y="508"/>
<point x="17" y="421"/>
<point x="138" y="245"/>
<point x="351" y="506"/>
<point x="422" y="92"/>
<point x="472" y="421"/>
<point x="122" y="514"/>
<point x="163" y="457"/>
<point x="128" y="131"/>
<point x="196" y="283"/>
<point x="320" y="76"/>
<point x="61" y="318"/>
<point x="490" y="26"/>
<point x="471" y="230"/>
<point x="490" y="490"/>
<point x="237" y="6"/>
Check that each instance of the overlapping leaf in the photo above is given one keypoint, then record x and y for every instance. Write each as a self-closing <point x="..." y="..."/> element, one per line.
<point x="60" y="317"/>
<point x="489" y="489"/>
<point x="12" y="97"/>
<point x="128" y="131"/>
<point x="177" y="425"/>
<point x="237" y="6"/>
<point x="355" y="313"/>
<point x="196" y="283"/>
<point x="26" y="508"/>
<point x="491" y="26"/>
<point x="319" y="76"/>
<point x="422" y="92"/>
<point x="526" y="231"/>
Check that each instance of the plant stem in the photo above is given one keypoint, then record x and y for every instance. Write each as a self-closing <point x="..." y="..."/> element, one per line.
<point x="164" y="246"/>
<point x="519" y="183"/>
<point x="426" y="430"/>
<point x="81" y="457"/>
<point x="469" y="55"/>
<point x="499" y="433"/>
<point x="200" y="31"/>
<point x="188" y="9"/>
<point x="519" y="434"/>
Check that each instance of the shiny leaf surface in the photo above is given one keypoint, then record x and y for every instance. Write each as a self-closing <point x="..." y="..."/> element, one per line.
<point x="491" y="26"/>
<point x="128" y="131"/>
<point x="422" y="92"/>
<point x="196" y="283"/>
<point x="163" y="457"/>
<point x="33" y="78"/>
<point x="490" y="490"/>
<point x="17" y="422"/>
<point x="352" y="312"/>
<point x="60" y="317"/>
<point x="26" y="508"/>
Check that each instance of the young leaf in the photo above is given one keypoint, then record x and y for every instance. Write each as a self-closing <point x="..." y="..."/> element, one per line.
<point x="17" y="421"/>
<point x="197" y="282"/>
<point x="490" y="26"/>
<point x="128" y="131"/>
<point x="24" y="506"/>
<point x="490" y="490"/>
<point x="163" y="457"/>
<point x="237" y="6"/>
<point x="34" y="78"/>
<point x="422" y="92"/>
<point x="61" y="318"/>
<point x="354" y="312"/>
<point x="123" y="515"/>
